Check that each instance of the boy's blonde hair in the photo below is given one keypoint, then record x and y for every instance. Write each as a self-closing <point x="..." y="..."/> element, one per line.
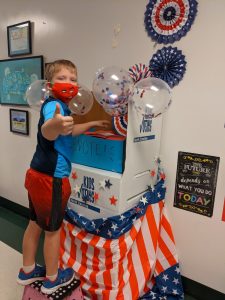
<point x="54" y="67"/>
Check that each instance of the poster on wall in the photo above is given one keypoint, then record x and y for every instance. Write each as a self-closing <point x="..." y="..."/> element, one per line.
<point x="16" y="75"/>
<point x="196" y="182"/>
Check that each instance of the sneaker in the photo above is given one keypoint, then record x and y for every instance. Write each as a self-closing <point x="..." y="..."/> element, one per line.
<point x="64" y="278"/>
<point x="38" y="273"/>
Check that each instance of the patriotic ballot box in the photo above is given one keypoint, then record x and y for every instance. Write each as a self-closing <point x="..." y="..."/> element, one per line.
<point x="100" y="149"/>
<point x="100" y="193"/>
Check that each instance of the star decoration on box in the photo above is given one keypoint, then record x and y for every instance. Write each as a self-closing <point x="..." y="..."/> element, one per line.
<point x="96" y="197"/>
<point x="108" y="183"/>
<point x="113" y="200"/>
<point x="162" y="176"/>
<point x="138" y="72"/>
<point x="76" y="189"/>
<point x="158" y="160"/>
<point x="169" y="65"/>
<point x="74" y="175"/>
<point x="152" y="173"/>
<point x="102" y="184"/>
<point x="167" y="21"/>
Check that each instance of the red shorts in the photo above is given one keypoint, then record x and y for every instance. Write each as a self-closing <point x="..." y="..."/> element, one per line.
<point x="48" y="198"/>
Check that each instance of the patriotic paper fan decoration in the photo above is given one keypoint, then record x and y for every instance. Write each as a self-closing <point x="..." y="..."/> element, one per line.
<point x="169" y="65"/>
<point x="138" y="72"/>
<point x="167" y="21"/>
<point x="120" y="124"/>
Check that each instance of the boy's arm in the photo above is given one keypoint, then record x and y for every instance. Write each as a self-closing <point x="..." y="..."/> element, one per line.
<point x="57" y="125"/>
<point x="81" y="128"/>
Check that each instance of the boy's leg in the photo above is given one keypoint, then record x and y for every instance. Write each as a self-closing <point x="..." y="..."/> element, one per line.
<point x="30" y="271"/>
<point x="30" y="243"/>
<point x="51" y="252"/>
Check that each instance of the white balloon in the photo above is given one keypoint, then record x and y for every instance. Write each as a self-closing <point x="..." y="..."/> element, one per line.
<point x="82" y="103"/>
<point x="37" y="93"/>
<point x="151" y="97"/>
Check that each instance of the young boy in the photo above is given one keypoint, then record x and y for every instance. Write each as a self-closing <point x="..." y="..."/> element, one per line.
<point x="47" y="179"/>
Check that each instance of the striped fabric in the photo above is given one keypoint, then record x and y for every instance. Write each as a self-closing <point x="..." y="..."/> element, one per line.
<point x="142" y="262"/>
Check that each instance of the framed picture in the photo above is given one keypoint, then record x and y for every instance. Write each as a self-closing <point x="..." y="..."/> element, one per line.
<point x="16" y="75"/>
<point x="19" y="121"/>
<point x="19" y="39"/>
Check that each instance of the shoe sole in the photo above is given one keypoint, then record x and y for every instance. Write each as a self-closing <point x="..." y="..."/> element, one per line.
<point x="52" y="290"/>
<point x="29" y="281"/>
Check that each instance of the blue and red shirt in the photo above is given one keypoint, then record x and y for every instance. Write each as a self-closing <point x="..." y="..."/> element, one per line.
<point x="52" y="157"/>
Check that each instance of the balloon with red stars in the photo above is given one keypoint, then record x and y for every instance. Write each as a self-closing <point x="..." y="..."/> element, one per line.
<point x="167" y="21"/>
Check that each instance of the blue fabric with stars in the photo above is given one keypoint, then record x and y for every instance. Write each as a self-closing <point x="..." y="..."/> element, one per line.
<point x="168" y="286"/>
<point x="114" y="227"/>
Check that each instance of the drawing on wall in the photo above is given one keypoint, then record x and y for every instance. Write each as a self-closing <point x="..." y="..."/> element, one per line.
<point x="15" y="77"/>
<point x="196" y="182"/>
<point x="19" y="121"/>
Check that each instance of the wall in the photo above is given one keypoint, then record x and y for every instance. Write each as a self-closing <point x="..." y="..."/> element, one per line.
<point x="82" y="31"/>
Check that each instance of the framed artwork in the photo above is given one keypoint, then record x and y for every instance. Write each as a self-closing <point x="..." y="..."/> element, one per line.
<point x="19" y="121"/>
<point x="19" y="39"/>
<point x="16" y="75"/>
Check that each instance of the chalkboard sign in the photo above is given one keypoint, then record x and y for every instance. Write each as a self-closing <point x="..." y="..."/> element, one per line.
<point x="196" y="182"/>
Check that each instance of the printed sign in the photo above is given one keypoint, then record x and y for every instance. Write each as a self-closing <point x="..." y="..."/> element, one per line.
<point x="196" y="182"/>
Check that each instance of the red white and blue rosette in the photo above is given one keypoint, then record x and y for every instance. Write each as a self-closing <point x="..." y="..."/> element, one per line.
<point x="167" y="21"/>
<point x="169" y="65"/>
<point x="120" y="124"/>
<point x="139" y="71"/>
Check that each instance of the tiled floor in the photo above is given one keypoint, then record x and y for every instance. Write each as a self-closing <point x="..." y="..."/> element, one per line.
<point x="12" y="227"/>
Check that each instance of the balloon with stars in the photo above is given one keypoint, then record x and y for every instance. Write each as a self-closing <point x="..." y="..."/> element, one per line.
<point x="167" y="21"/>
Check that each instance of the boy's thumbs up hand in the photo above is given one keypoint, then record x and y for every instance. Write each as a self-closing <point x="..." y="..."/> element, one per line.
<point x="63" y="124"/>
<point x="57" y="110"/>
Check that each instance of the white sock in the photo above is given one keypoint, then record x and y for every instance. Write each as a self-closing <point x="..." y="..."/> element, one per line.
<point x="52" y="277"/>
<point x="28" y="269"/>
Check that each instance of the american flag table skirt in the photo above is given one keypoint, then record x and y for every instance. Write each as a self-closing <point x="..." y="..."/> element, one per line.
<point x="126" y="257"/>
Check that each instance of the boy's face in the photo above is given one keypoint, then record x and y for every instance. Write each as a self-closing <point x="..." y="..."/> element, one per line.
<point x="65" y="75"/>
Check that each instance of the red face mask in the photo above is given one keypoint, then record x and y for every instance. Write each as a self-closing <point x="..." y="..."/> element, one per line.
<point x="64" y="91"/>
